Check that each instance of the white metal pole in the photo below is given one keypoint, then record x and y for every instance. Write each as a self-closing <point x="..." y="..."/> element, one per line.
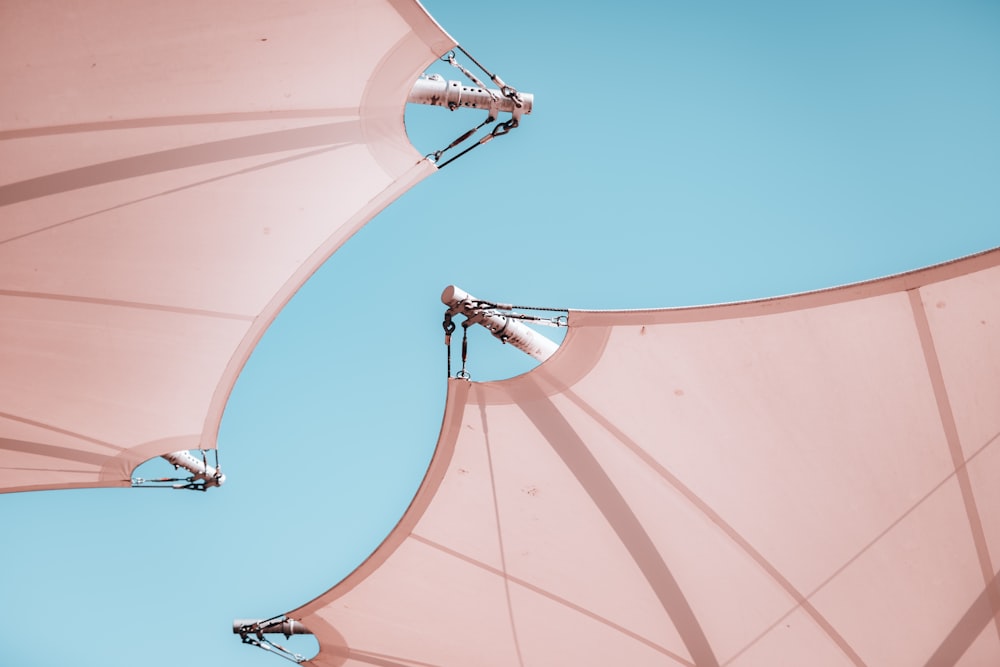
<point x="436" y="91"/>
<point x="205" y="473"/>
<point x="508" y="329"/>
<point x="287" y="626"/>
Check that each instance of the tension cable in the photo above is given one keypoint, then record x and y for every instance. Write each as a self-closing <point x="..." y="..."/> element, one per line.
<point x="498" y="131"/>
<point x="507" y="91"/>
<point x="449" y="328"/>
<point x="253" y="635"/>
<point x="464" y="374"/>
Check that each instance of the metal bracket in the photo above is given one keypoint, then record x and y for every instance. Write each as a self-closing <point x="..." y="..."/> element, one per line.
<point x="434" y="90"/>
<point x="252" y="632"/>
<point x="203" y="477"/>
<point x="501" y="321"/>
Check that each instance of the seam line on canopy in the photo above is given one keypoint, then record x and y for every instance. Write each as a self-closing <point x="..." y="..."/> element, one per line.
<point x="61" y="471"/>
<point x="384" y="660"/>
<point x="170" y="121"/>
<point x="801" y="600"/>
<point x="170" y="191"/>
<point x="56" y="429"/>
<point x="967" y="630"/>
<point x="608" y="499"/>
<point x="555" y="598"/>
<point x="52" y="451"/>
<point x="127" y="304"/>
<point x="172" y="159"/>
<point x="949" y="477"/>
<point x="869" y="545"/>
<point x="496" y="515"/>
<point x="936" y="376"/>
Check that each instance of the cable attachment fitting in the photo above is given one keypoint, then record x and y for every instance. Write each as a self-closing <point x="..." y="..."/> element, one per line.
<point x="203" y="477"/>
<point x="435" y="90"/>
<point x="508" y="91"/>
<point x="252" y="632"/>
<point x="502" y="321"/>
<point x="503" y="128"/>
<point x="449" y="327"/>
<point x="469" y="75"/>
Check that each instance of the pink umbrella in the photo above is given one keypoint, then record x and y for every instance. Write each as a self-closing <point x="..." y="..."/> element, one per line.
<point x="171" y="174"/>
<point x="807" y="480"/>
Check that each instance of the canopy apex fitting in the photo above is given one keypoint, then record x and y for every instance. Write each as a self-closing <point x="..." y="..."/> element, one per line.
<point x="507" y="328"/>
<point x="203" y="476"/>
<point x="284" y="626"/>
<point x="204" y="473"/>
<point x="434" y="90"/>
<point x="252" y="632"/>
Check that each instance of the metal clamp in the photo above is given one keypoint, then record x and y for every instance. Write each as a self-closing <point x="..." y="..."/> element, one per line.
<point x="252" y="632"/>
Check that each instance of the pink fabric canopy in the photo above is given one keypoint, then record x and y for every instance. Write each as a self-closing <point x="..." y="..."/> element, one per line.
<point x="170" y="174"/>
<point x="809" y="480"/>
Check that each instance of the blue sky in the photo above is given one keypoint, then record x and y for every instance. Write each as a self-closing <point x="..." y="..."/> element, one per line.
<point x="680" y="153"/>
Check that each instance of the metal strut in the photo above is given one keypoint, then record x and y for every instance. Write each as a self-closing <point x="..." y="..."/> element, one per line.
<point x="252" y="632"/>
<point x="501" y="321"/>
<point x="203" y="477"/>
<point x="434" y="90"/>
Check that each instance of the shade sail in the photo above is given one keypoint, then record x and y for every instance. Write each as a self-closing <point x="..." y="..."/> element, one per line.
<point x="170" y="173"/>
<point x="806" y="480"/>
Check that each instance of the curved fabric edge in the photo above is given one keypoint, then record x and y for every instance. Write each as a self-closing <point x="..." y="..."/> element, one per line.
<point x="424" y="25"/>
<point x="458" y="391"/>
<point x="337" y="651"/>
<point x="589" y="329"/>
<point x="382" y="109"/>
<point x="584" y="344"/>
<point x="407" y="164"/>
<point x="907" y="280"/>
<point x="580" y="350"/>
<point x="385" y="96"/>
<point x="226" y="383"/>
<point x="118" y="471"/>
